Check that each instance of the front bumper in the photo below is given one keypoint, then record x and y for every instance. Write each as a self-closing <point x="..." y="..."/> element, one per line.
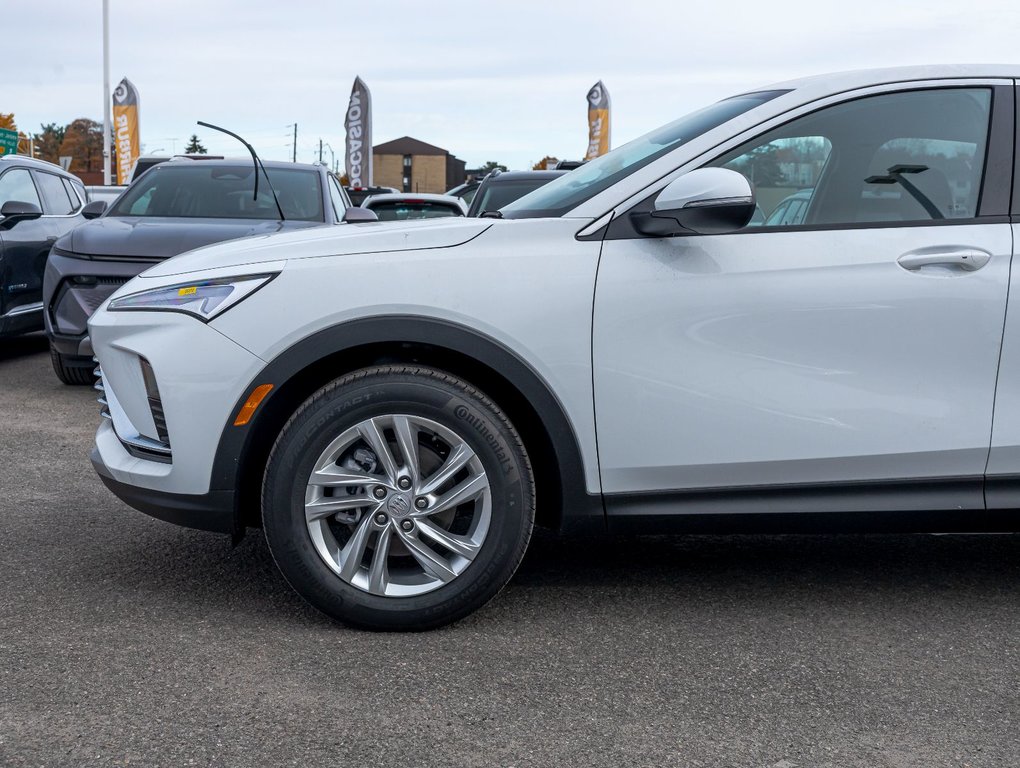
<point x="200" y="375"/>
<point x="212" y="511"/>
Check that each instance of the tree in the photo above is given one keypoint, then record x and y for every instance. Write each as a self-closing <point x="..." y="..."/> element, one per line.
<point x="760" y="166"/>
<point x="195" y="146"/>
<point x="7" y="121"/>
<point x="83" y="141"/>
<point x="492" y="165"/>
<point x="547" y="163"/>
<point x="48" y="141"/>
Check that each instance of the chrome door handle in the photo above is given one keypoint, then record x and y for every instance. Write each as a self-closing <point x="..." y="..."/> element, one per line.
<point x="965" y="259"/>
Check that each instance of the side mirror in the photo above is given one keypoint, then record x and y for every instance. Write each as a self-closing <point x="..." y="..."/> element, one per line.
<point x="706" y="201"/>
<point x="356" y="215"/>
<point x="14" y="211"/>
<point x="94" y="210"/>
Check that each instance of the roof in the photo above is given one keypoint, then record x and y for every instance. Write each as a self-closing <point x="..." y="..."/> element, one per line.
<point x="405" y="145"/>
<point x="35" y="162"/>
<point x="836" y="82"/>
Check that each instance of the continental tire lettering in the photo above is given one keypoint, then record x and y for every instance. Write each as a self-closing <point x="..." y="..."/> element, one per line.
<point x="461" y="412"/>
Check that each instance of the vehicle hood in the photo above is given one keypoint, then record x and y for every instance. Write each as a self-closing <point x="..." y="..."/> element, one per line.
<point x="161" y="238"/>
<point x="367" y="237"/>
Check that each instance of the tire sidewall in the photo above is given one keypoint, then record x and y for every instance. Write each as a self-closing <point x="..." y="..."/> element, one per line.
<point x="351" y="401"/>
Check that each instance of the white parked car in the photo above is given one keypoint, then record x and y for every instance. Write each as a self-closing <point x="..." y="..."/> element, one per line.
<point x="629" y="348"/>
<point x="410" y="206"/>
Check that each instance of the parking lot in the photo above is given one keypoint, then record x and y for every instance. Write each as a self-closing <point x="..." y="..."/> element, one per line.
<point x="127" y="641"/>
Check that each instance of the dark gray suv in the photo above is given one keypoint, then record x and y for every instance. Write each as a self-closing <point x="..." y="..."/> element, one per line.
<point x="39" y="202"/>
<point x="176" y="206"/>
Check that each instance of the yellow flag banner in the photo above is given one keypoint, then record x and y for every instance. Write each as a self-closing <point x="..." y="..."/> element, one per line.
<point x="125" y="129"/>
<point x="598" y="121"/>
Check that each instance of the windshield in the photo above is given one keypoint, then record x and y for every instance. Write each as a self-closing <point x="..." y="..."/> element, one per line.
<point x="498" y="193"/>
<point x="222" y="192"/>
<point x="569" y="191"/>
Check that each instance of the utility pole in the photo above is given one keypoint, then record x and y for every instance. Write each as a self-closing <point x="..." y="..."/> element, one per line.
<point x="106" y="93"/>
<point x="295" y="142"/>
<point x="320" y="151"/>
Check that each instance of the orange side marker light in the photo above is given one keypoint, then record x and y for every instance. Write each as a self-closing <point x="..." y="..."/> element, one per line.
<point x="248" y="409"/>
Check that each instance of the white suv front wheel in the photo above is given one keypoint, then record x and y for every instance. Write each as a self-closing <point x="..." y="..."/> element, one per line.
<point x="398" y="498"/>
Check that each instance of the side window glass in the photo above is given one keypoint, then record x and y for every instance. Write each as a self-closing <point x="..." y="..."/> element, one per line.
<point x="55" y="199"/>
<point x="912" y="156"/>
<point x="339" y="204"/>
<point x="17" y="184"/>
<point x="783" y="173"/>
<point x="80" y="189"/>
<point x="72" y="193"/>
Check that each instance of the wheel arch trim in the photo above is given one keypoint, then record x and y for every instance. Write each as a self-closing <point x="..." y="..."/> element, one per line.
<point x="580" y="510"/>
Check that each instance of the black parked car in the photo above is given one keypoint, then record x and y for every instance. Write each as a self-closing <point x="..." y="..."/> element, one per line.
<point x="39" y="202"/>
<point x="176" y="206"/>
<point x="502" y="188"/>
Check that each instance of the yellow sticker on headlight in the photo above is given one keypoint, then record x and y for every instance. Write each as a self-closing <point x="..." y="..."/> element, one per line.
<point x="187" y="291"/>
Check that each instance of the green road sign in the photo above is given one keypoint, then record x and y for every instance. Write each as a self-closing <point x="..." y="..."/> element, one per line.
<point x="8" y="142"/>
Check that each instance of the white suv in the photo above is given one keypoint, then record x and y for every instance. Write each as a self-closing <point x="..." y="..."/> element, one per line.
<point x="629" y="348"/>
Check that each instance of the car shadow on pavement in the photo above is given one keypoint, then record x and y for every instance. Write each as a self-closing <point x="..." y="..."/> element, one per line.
<point x="202" y="573"/>
<point x="23" y="346"/>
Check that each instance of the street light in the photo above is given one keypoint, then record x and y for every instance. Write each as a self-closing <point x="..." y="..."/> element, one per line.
<point x="107" y="122"/>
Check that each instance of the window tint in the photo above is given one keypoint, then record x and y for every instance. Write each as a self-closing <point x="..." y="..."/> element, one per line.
<point x="911" y="156"/>
<point x="198" y="190"/>
<point x="72" y="192"/>
<point x="497" y="194"/>
<point x="55" y="199"/>
<point x="17" y="184"/>
<point x="406" y="211"/>
<point x="339" y="204"/>
<point x="80" y="189"/>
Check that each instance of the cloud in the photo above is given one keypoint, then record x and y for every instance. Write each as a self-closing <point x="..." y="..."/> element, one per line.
<point x="499" y="82"/>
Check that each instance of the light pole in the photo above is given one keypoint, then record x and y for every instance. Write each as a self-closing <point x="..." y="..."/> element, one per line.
<point x="332" y="155"/>
<point x="106" y="92"/>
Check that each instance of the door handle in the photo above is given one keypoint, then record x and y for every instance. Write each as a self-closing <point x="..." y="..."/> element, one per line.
<point x="963" y="259"/>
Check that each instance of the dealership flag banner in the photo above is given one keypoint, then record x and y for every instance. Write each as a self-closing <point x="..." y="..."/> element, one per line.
<point x="598" y="121"/>
<point x="359" y="136"/>
<point x="125" y="129"/>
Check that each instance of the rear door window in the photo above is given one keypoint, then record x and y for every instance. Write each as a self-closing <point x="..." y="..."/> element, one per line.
<point x="55" y="196"/>
<point x="72" y="192"/>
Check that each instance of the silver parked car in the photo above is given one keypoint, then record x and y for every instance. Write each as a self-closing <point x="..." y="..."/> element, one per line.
<point x="634" y="346"/>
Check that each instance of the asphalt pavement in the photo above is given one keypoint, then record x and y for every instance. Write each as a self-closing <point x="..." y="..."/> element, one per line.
<point x="127" y="641"/>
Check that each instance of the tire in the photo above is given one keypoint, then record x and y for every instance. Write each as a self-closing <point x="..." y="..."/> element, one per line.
<point x="410" y="462"/>
<point x="69" y="372"/>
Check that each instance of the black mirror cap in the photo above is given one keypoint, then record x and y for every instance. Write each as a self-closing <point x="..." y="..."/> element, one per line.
<point x="358" y="215"/>
<point x="14" y="211"/>
<point x="94" y="210"/>
<point x="715" y="218"/>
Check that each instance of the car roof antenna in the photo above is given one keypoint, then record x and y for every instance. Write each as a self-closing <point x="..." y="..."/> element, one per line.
<point x="258" y="164"/>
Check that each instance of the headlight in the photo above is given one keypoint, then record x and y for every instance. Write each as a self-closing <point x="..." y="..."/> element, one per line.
<point x="203" y="299"/>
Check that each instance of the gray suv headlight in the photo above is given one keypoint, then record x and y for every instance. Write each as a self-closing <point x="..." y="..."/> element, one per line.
<point x="203" y="299"/>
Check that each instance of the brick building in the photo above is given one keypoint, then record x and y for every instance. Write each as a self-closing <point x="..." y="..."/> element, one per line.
<point x="414" y="166"/>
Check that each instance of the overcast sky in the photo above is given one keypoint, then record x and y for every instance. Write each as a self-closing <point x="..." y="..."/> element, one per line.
<point x="502" y="81"/>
